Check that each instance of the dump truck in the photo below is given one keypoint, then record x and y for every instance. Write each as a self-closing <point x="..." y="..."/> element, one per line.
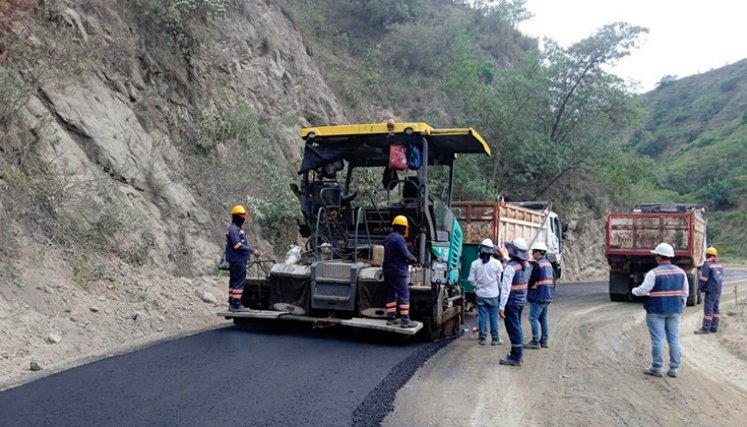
<point x="631" y="236"/>
<point x="349" y="193"/>
<point x="502" y="221"/>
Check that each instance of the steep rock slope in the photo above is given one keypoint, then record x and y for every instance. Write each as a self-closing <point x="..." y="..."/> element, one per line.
<point x="101" y="210"/>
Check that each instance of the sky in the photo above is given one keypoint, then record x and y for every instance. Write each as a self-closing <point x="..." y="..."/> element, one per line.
<point x="685" y="37"/>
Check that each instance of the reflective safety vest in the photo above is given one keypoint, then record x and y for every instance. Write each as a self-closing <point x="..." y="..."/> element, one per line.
<point x="542" y="290"/>
<point x="666" y="295"/>
<point x="712" y="277"/>
<point x="519" y="284"/>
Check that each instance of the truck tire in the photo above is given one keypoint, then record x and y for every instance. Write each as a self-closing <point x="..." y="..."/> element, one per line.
<point x="619" y="287"/>
<point x="692" y="277"/>
<point x="620" y="297"/>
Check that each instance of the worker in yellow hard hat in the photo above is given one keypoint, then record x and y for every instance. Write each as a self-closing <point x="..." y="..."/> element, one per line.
<point x="238" y="253"/>
<point x="396" y="259"/>
<point x="711" y="281"/>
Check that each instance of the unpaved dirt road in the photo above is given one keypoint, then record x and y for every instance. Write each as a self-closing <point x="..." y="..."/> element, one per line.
<point x="590" y="376"/>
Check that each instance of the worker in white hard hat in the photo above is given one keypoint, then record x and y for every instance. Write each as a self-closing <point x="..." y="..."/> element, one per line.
<point x="514" y="284"/>
<point x="667" y="288"/>
<point x="485" y="276"/>
<point x="539" y="295"/>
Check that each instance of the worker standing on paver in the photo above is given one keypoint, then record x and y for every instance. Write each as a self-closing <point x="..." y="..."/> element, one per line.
<point x="711" y="281"/>
<point x="485" y="275"/>
<point x="238" y="252"/>
<point x="513" y="296"/>
<point x="539" y="295"/>
<point x="396" y="260"/>
<point x="667" y="289"/>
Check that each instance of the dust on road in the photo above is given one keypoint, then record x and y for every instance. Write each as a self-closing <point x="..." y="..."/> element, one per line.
<point x="590" y="375"/>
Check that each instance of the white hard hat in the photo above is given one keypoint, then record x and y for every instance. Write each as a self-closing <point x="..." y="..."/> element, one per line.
<point x="487" y="243"/>
<point x="520" y="244"/>
<point x="539" y="246"/>
<point x="664" y="249"/>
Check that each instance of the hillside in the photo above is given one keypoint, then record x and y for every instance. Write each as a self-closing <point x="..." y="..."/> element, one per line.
<point x="130" y="128"/>
<point x="696" y="130"/>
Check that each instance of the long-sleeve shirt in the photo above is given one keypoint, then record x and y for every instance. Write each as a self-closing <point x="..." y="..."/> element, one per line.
<point x="650" y="280"/>
<point x="396" y="255"/>
<point x="237" y="246"/>
<point x="711" y="276"/>
<point x="508" y="278"/>
<point x="486" y="277"/>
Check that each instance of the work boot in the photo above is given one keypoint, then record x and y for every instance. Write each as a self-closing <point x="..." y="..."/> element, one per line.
<point x="534" y="345"/>
<point x="496" y="342"/>
<point x="672" y="373"/>
<point x="701" y="331"/>
<point x="238" y="308"/>
<point x="482" y="341"/>
<point x="509" y="362"/>
<point x="407" y="324"/>
<point x="653" y="372"/>
<point x="392" y="321"/>
<point x="543" y="343"/>
<point x="713" y="331"/>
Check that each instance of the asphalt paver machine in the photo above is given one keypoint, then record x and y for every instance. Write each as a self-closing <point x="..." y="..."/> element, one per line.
<point x="350" y="190"/>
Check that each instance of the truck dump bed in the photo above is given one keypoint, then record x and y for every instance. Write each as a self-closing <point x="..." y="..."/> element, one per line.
<point x="499" y="221"/>
<point x="637" y="233"/>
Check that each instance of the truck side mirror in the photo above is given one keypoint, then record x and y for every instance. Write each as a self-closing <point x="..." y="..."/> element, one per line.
<point x="564" y="231"/>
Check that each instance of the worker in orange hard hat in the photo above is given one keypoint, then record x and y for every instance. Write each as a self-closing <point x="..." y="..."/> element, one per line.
<point x="238" y="253"/>
<point x="711" y="281"/>
<point x="396" y="259"/>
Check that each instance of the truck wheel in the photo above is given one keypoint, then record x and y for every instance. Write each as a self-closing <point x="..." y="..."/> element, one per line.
<point x="692" y="298"/>
<point x="620" y="297"/>
<point x="619" y="287"/>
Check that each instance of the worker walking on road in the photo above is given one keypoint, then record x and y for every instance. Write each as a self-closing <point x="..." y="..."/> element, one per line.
<point x="667" y="289"/>
<point x="395" y="266"/>
<point x="513" y="296"/>
<point x="711" y="281"/>
<point x="485" y="276"/>
<point x="539" y="295"/>
<point x="238" y="252"/>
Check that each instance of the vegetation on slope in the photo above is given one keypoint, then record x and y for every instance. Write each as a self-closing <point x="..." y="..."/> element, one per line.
<point x="547" y="114"/>
<point x="696" y="130"/>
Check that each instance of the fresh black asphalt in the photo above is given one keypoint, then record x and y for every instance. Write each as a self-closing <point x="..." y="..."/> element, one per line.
<point x="228" y="377"/>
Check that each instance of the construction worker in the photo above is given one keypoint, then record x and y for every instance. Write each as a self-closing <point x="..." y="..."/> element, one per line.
<point x="667" y="289"/>
<point x="539" y="295"/>
<point x="711" y="281"/>
<point x="513" y="296"/>
<point x="395" y="266"/>
<point x="485" y="275"/>
<point x="238" y="253"/>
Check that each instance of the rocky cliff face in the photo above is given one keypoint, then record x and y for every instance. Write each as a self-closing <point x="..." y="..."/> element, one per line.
<point x="126" y="123"/>
<point x="102" y="204"/>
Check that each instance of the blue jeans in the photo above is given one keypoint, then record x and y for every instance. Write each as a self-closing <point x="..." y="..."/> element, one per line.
<point x="487" y="310"/>
<point x="664" y="326"/>
<point x="537" y="318"/>
<point x="513" y="328"/>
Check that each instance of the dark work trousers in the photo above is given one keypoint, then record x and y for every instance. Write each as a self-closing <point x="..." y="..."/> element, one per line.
<point x="236" y="281"/>
<point x="711" y="315"/>
<point x="513" y="328"/>
<point x="397" y="293"/>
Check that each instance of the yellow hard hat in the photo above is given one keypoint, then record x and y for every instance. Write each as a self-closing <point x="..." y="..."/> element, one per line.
<point x="238" y="210"/>
<point x="400" y="220"/>
<point x="711" y="251"/>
